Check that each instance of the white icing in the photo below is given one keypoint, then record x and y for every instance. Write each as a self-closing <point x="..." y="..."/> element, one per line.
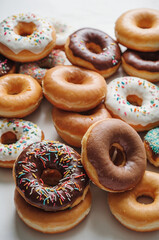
<point x="116" y="100"/>
<point x="36" y="42"/>
<point x="26" y="133"/>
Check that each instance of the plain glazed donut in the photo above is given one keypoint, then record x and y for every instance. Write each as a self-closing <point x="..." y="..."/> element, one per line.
<point x="26" y="37"/>
<point x="93" y="49"/>
<point x="141" y="64"/>
<point x="39" y="68"/>
<point x="151" y="143"/>
<point x="74" y="89"/>
<point x="138" y="29"/>
<point x="135" y="101"/>
<point x="49" y="175"/>
<point x="132" y="213"/>
<point x="52" y="222"/>
<point x="15" y="136"/>
<point x="20" y="95"/>
<point x="6" y="66"/>
<point x="113" y="155"/>
<point x="72" y="126"/>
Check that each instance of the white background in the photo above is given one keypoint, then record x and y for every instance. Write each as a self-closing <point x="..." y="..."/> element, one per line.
<point x="99" y="224"/>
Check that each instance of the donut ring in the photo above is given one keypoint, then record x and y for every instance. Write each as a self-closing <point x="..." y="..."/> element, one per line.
<point x="26" y="37"/>
<point x="15" y="136"/>
<point x="135" y="101"/>
<point x="6" y="66"/>
<point x="52" y="222"/>
<point x="98" y="145"/>
<point x="38" y="69"/>
<point x="74" y="89"/>
<point x="50" y="176"/>
<point x="95" y="50"/>
<point x="20" y="95"/>
<point x="151" y="142"/>
<point x="133" y="214"/>
<point x="141" y="64"/>
<point x="72" y="126"/>
<point x="138" y="29"/>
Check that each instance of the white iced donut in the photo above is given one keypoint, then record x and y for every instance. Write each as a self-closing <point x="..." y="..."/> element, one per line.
<point x="15" y="136"/>
<point x="134" y="100"/>
<point x="26" y="37"/>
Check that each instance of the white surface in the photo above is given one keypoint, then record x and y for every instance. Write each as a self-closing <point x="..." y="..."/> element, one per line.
<point x="99" y="224"/>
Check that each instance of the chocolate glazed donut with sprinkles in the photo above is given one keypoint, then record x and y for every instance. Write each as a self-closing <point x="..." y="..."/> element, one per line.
<point x="93" y="49"/>
<point x="50" y="176"/>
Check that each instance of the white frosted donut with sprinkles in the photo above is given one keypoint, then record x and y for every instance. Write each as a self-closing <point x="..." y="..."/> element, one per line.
<point x="15" y="136"/>
<point x="26" y="37"/>
<point x="134" y="100"/>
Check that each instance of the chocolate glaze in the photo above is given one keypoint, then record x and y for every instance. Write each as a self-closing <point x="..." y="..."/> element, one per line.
<point x="99" y="142"/>
<point x="50" y="155"/>
<point x="148" y="61"/>
<point x="110" y="55"/>
<point x="5" y="65"/>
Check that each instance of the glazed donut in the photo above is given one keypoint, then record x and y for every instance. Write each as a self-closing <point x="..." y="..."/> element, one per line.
<point x="20" y="95"/>
<point x="26" y="37"/>
<point x="141" y="64"/>
<point x="135" y="101"/>
<point x="49" y="175"/>
<point x="74" y="89"/>
<point x="15" y="136"/>
<point x="72" y="126"/>
<point x="38" y="69"/>
<point x="138" y="29"/>
<point x="93" y="49"/>
<point x="131" y="212"/>
<point x="54" y="222"/>
<point x="6" y="66"/>
<point x="113" y="155"/>
<point x="151" y="142"/>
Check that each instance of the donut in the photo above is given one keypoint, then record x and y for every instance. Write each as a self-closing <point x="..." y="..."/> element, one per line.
<point x="74" y="89"/>
<point x="141" y="64"/>
<point x="49" y="175"/>
<point x="15" y="136"/>
<point x="20" y="95"/>
<point x="26" y="37"/>
<point x="62" y="32"/>
<point x="130" y="211"/>
<point x="113" y="155"/>
<point x="72" y="126"/>
<point x="52" y="222"/>
<point x="151" y="143"/>
<point x="6" y="66"/>
<point x="135" y="101"/>
<point x="38" y="69"/>
<point x="93" y="49"/>
<point x="138" y="29"/>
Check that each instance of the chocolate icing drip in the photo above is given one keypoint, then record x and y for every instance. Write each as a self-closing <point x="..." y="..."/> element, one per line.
<point x="110" y="52"/>
<point x="5" y="65"/>
<point x="148" y="61"/>
<point x="50" y="155"/>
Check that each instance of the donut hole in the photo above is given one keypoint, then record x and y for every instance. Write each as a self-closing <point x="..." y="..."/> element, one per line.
<point x="24" y="29"/>
<point x="8" y="138"/>
<point x="145" y="199"/>
<point x="145" y="22"/>
<point x="76" y="77"/>
<point x="51" y="177"/>
<point x="14" y="89"/>
<point x="117" y="155"/>
<point x="134" y="100"/>
<point x="94" y="48"/>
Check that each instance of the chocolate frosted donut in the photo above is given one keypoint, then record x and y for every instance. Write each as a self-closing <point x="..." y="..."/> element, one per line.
<point x="6" y="66"/>
<point x="49" y="175"/>
<point x="93" y="49"/>
<point x="113" y="155"/>
<point x="141" y="64"/>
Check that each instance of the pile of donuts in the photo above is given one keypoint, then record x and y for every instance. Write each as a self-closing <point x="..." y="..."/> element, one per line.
<point x="52" y="180"/>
